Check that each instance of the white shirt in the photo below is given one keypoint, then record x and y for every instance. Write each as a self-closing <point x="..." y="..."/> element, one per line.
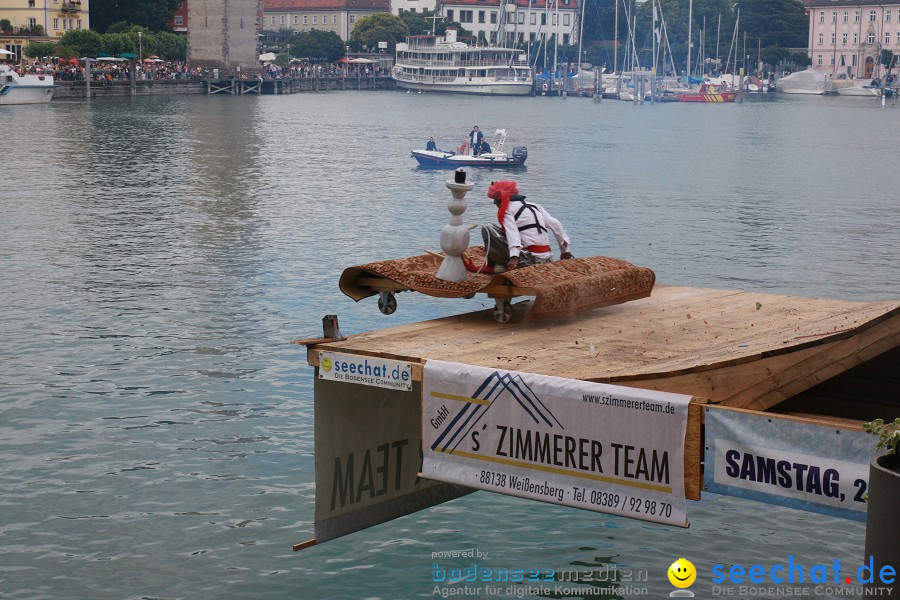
<point x="533" y="236"/>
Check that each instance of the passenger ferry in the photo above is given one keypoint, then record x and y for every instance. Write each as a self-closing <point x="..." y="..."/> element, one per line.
<point x="444" y="64"/>
<point x="24" y="89"/>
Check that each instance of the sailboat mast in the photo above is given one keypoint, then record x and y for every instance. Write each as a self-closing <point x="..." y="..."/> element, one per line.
<point x="718" y="33"/>
<point x="690" y="42"/>
<point x="580" y="33"/>
<point x="616" y="40"/>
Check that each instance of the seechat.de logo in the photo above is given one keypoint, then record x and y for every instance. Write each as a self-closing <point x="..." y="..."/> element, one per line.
<point x="326" y="364"/>
<point x="682" y="575"/>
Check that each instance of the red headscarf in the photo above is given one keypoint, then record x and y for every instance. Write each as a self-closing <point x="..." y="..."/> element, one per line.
<point x="502" y="191"/>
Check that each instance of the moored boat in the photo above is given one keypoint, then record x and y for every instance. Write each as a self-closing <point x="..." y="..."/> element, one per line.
<point x="709" y="93"/>
<point x="24" y="89"/>
<point x="445" y="64"/>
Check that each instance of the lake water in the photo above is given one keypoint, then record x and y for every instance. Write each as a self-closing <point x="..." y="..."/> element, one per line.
<point x="158" y="254"/>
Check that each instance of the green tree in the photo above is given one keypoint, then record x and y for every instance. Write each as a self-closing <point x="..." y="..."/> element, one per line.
<point x="774" y="55"/>
<point x="171" y="46"/>
<point x="40" y="49"/>
<point x="381" y="27"/>
<point x="417" y="23"/>
<point x="442" y="27"/>
<point x="317" y="46"/>
<point x="85" y="42"/>
<point x="775" y="22"/>
<point x="118" y="43"/>
<point x="151" y="14"/>
<point x="6" y="26"/>
<point x="800" y="59"/>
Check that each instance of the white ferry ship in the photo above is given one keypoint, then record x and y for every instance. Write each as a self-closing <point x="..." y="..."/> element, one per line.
<point x="24" y="89"/>
<point x="444" y="64"/>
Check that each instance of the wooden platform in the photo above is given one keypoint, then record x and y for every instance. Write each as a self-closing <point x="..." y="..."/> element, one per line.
<point x="740" y="349"/>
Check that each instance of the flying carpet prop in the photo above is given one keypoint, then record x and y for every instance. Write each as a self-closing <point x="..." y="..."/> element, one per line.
<point x="560" y="288"/>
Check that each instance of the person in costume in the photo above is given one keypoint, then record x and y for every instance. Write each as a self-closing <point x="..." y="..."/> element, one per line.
<point x="521" y="239"/>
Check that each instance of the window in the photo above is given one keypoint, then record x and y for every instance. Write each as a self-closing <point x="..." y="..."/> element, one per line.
<point x="494" y="17"/>
<point x="334" y="19"/>
<point x="832" y="38"/>
<point x="315" y="19"/>
<point x="821" y="38"/>
<point x="566" y="38"/>
<point x="844" y="38"/>
<point x="856" y="16"/>
<point x="465" y="16"/>
<point x="543" y="18"/>
<point x="887" y="16"/>
<point x="281" y="20"/>
<point x="566" y="18"/>
<point x="450" y="16"/>
<point x="846" y="16"/>
<point x="56" y="23"/>
<point x="898" y="38"/>
<point x="831" y="60"/>
<point x="353" y="18"/>
<point x="79" y="23"/>
<point x="521" y="18"/>
<point x="296" y="20"/>
<point x="534" y="18"/>
<point x="821" y="16"/>
<point x="834" y="16"/>
<point x="853" y="60"/>
<point x="855" y="38"/>
<point x="481" y="16"/>
<point x="871" y="38"/>
<point x="324" y="19"/>
<point x="872" y="15"/>
<point x="31" y="22"/>
<point x="555" y="18"/>
<point x="819" y="60"/>
<point x="30" y="3"/>
<point x="272" y="20"/>
<point x="305" y="19"/>
<point x="531" y="36"/>
<point x="887" y="38"/>
<point x="179" y="20"/>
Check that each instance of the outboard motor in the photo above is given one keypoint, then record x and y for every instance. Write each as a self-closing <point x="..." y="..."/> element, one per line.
<point x="520" y="153"/>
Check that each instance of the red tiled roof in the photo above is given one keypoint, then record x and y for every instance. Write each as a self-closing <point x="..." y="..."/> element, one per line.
<point x="536" y="4"/>
<point x="275" y="5"/>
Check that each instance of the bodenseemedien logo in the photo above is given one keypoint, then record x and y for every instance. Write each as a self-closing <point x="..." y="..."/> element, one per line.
<point x="326" y="364"/>
<point x="682" y="575"/>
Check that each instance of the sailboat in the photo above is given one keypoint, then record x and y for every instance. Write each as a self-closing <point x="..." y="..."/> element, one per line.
<point x="708" y="92"/>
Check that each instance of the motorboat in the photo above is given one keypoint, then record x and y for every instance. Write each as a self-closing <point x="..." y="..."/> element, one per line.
<point x="709" y="93"/>
<point x="429" y="63"/>
<point x="809" y="81"/>
<point x="465" y="157"/>
<point x="24" y="89"/>
<point x="864" y="87"/>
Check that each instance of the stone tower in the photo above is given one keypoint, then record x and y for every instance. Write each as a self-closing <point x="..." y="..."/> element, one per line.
<point x="224" y="34"/>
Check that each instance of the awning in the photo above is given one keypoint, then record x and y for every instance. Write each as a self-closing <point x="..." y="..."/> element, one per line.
<point x="362" y="60"/>
<point x="5" y="52"/>
<point x="267" y="57"/>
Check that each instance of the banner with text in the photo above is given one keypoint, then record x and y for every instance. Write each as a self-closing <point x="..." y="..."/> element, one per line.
<point x="365" y="370"/>
<point x="589" y="445"/>
<point x="787" y="462"/>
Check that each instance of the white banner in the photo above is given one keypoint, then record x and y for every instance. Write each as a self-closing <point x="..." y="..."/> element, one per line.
<point x="589" y="445"/>
<point x="365" y="370"/>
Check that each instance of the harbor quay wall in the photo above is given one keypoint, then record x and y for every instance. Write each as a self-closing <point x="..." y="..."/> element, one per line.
<point x="78" y="89"/>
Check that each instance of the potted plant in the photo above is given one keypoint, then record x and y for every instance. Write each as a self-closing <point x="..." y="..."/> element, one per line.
<point x="883" y="518"/>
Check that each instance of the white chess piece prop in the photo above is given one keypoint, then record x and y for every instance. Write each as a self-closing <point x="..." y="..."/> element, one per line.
<point x="455" y="235"/>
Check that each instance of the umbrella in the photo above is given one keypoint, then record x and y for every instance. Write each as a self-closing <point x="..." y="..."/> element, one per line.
<point x="267" y="57"/>
<point x="5" y="52"/>
<point x="362" y="60"/>
<point x="127" y="55"/>
<point x="343" y="60"/>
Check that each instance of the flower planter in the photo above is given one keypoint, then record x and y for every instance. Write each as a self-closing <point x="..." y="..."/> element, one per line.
<point x="883" y="514"/>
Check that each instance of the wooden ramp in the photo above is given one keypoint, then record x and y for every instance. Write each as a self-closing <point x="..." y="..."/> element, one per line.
<point x="739" y="349"/>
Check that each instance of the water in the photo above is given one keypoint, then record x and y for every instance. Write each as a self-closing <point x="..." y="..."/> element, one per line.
<point x="158" y="254"/>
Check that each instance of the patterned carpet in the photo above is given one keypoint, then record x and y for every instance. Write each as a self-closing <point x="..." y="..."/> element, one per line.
<point x="560" y="288"/>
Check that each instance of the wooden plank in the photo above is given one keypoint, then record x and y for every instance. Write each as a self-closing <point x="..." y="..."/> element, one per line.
<point x="812" y="420"/>
<point x="693" y="450"/>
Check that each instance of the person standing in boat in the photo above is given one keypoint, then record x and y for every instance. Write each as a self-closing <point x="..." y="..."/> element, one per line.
<point x="476" y="137"/>
<point x="521" y="239"/>
<point x="431" y="145"/>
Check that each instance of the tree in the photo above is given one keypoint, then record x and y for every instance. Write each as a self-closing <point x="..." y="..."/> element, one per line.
<point x="118" y="43"/>
<point x="888" y="59"/>
<point x="171" y="46"/>
<point x="151" y="14"/>
<point x="40" y="49"/>
<point x="37" y="29"/>
<point x="317" y="46"/>
<point x="381" y="27"/>
<point x="775" y="22"/>
<point x="6" y="26"/>
<point x="85" y="42"/>
<point x="417" y="23"/>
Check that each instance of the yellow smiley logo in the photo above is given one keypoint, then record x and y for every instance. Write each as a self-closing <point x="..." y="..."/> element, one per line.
<point x="326" y="364"/>
<point x="682" y="573"/>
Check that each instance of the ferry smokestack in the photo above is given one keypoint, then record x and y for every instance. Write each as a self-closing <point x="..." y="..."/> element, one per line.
<point x="450" y="36"/>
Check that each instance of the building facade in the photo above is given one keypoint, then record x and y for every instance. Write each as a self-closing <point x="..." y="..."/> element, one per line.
<point x="178" y="22"/>
<point x="40" y="20"/>
<point x="847" y="37"/>
<point x="224" y="34"/>
<point x="515" y="22"/>
<point x="339" y="16"/>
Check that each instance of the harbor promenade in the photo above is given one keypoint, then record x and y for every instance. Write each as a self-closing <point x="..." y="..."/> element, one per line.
<point x="79" y="89"/>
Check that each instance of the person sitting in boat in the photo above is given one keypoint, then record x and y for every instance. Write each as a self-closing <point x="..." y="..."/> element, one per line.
<point x="520" y="239"/>
<point x="476" y="137"/>
<point x="431" y="145"/>
<point x="485" y="148"/>
<point x="463" y="148"/>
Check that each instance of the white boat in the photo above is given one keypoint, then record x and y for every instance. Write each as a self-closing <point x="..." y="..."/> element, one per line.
<point x="803" y="82"/>
<point x="464" y="157"/>
<point x="862" y="87"/>
<point x="24" y="89"/>
<point x="444" y="64"/>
